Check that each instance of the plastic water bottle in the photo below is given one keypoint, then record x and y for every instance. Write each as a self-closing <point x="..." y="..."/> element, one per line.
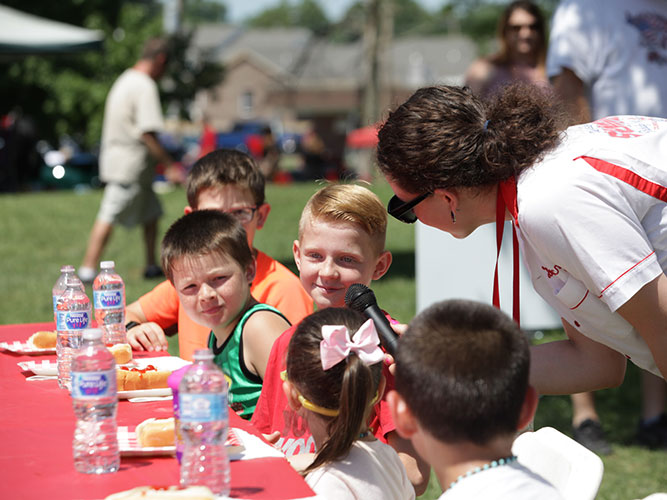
<point x="204" y="420"/>
<point x="95" y="445"/>
<point x="59" y="286"/>
<point x="174" y="382"/>
<point x="73" y="313"/>
<point x="109" y="300"/>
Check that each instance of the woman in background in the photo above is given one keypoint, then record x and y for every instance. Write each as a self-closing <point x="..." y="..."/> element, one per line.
<point x="522" y="54"/>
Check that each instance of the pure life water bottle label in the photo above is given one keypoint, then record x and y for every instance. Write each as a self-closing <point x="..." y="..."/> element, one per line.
<point x="93" y="384"/>
<point x="108" y="299"/>
<point x="202" y="407"/>
<point x="72" y="320"/>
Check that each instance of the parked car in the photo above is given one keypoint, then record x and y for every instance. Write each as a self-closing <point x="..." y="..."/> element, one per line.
<point x="247" y="136"/>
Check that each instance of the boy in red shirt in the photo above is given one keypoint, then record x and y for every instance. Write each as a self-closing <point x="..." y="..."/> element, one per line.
<point x="341" y="241"/>
<point x="229" y="181"/>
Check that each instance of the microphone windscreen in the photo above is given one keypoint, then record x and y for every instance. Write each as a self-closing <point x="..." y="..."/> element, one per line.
<point x="359" y="297"/>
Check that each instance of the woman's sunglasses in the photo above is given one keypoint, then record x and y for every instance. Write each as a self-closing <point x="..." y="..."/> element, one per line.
<point x="403" y="210"/>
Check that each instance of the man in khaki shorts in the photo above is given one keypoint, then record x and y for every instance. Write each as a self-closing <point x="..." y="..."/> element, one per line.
<point x="132" y="116"/>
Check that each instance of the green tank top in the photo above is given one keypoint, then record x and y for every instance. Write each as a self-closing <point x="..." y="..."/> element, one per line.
<point x="244" y="386"/>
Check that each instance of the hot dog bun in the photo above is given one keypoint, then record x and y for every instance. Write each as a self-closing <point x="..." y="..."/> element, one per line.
<point x="122" y="353"/>
<point x="156" y="432"/>
<point x="166" y="493"/>
<point x="136" y="379"/>
<point x="43" y="340"/>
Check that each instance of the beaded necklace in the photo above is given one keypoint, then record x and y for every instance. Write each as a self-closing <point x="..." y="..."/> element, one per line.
<point x="486" y="466"/>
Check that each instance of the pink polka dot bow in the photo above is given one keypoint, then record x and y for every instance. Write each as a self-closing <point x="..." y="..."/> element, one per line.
<point x="336" y="344"/>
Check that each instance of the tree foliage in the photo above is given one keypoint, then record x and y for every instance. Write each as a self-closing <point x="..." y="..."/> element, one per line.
<point x="409" y="17"/>
<point x="306" y="13"/>
<point x="208" y="11"/>
<point x="65" y="94"/>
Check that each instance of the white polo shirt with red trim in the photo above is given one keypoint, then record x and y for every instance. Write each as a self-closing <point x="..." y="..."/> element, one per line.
<point x="592" y="225"/>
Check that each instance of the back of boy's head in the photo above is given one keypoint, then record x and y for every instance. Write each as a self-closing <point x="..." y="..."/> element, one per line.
<point x="223" y="167"/>
<point x="201" y="233"/>
<point x="349" y="386"/>
<point x="351" y="204"/>
<point x="462" y="369"/>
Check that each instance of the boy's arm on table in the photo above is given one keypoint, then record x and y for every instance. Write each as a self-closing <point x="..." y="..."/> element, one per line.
<point x="575" y="365"/>
<point x="647" y="312"/>
<point x="260" y="332"/>
<point x="146" y="335"/>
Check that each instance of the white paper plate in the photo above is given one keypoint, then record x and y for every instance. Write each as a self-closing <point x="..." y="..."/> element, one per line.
<point x="129" y="446"/>
<point x="145" y="393"/>
<point x="49" y="368"/>
<point x="45" y="368"/>
<point x="25" y="348"/>
<point x="161" y="363"/>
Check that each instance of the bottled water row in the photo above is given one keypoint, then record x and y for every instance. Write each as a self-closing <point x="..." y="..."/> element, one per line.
<point x="88" y="369"/>
<point x="73" y="313"/>
<point x="203" y="416"/>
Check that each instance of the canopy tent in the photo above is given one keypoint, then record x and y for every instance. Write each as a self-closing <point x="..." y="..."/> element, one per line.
<point x="24" y="34"/>
<point x="365" y="137"/>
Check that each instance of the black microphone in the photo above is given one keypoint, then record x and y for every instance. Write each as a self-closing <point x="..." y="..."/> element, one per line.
<point x="362" y="299"/>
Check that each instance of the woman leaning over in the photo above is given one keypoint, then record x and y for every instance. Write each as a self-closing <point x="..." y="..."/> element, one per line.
<point x="588" y="204"/>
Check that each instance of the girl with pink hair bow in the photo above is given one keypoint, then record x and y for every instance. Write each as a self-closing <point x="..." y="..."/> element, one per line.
<point x="333" y="380"/>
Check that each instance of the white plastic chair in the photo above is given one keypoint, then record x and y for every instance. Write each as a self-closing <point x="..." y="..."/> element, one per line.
<point x="574" y="470"/>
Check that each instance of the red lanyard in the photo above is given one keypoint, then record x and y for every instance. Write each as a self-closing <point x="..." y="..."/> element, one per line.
<point x="507" y="198"/>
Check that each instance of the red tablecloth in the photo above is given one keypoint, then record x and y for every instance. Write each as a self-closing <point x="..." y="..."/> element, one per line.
<point x="36" y="429"/>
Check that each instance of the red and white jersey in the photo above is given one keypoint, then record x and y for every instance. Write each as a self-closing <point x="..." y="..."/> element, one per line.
<point x="592" y="225"/>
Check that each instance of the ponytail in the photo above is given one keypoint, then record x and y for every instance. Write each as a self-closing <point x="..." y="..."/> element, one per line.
<point x="524" y="124"/>
<point x="445" y="136"/>
<point x="358" y="389"/>
<point x="350" y="386"/>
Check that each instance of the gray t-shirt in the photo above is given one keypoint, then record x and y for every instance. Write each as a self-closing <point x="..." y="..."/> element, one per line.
<point x="132" y="109"/>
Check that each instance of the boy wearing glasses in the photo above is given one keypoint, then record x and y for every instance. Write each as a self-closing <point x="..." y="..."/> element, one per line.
<point x="228" y="181"/>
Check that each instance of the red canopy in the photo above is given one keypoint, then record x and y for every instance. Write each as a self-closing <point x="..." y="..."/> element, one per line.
<point x="365" y="137"/>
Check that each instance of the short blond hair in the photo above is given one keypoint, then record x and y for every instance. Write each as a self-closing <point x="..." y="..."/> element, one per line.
<point x="348" y="203"/>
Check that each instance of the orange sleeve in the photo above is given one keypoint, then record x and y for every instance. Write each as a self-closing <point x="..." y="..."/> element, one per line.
<point x="160" y="305"/>
<point x="279" y="287"/>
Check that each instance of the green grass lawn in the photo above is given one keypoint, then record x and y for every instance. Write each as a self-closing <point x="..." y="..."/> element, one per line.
<point x="42" y="231"/>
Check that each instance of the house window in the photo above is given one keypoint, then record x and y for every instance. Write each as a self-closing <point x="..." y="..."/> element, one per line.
<point x="246" y="104"/>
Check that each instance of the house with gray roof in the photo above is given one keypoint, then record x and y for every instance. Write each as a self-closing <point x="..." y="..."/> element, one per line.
<point x="286" y="76"/>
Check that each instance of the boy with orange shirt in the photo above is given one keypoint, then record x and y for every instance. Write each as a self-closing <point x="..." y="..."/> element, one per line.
<point x="228" y="181"/>
<point x="341" y="241"/>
